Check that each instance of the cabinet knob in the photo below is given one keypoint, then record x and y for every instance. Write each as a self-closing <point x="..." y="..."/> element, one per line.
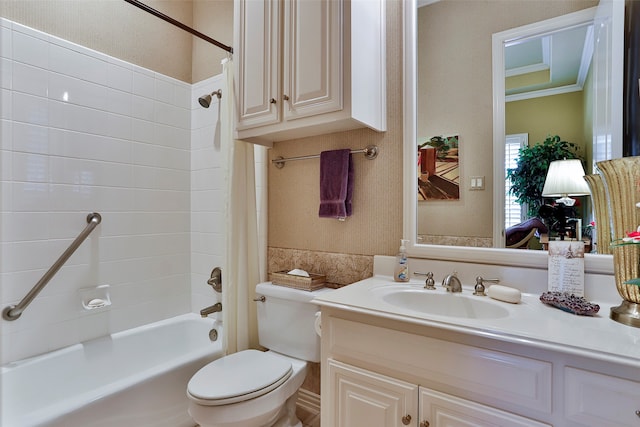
<point x="638" y="413"/>
<point x="285" y="97"/>
<point x="272" y="100"/>
<point x="424" y="424"/>
<point x="406" y="419"/>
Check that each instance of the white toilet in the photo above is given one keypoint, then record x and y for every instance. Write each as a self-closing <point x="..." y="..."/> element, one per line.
<point x="259" y="389"/>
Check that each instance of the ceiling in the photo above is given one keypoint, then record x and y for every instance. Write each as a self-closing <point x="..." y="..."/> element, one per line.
<point x="549" y="64"/>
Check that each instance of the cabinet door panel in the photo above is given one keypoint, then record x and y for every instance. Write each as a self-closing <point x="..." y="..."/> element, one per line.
<point x="597" y="400"/>
<point x="364" y="398"/>
<point x="313" y="59"/>
<point x="443" y="410"/>
<point x="258" y="69"/>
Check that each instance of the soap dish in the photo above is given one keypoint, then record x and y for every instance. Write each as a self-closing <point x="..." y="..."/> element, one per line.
<point x="570" y="303"/>
<point x="95" y="298"/>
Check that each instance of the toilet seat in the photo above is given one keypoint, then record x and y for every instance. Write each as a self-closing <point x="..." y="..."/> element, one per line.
<point x="238" y="377"/>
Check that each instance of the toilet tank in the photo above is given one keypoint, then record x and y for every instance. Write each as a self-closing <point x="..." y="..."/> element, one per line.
<point x="286" y="321"/>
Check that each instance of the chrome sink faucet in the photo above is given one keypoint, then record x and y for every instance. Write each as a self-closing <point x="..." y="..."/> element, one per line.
<point x="452" y="283"/>
<point x="429" y="283"/>
<point x="211" y="309"/>
<point x="479" y="288"/>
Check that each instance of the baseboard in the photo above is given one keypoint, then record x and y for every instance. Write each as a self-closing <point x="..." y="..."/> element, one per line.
<point x="308" y="407"/>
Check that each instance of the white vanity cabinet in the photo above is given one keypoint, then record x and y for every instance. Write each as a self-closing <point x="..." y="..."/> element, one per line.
<point x="387" y="372"/>
<point x="365" y="398"/>
<point x="308" y="67"/>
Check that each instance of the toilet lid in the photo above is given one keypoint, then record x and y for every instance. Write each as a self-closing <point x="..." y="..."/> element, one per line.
<point x="238" y="377"/>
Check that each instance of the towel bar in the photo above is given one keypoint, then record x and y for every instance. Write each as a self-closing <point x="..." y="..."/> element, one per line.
<point x="370" y="152"/>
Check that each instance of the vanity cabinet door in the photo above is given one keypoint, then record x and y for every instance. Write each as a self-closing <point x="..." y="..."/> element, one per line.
<point x="363" y="398"/>
<point x="443" y="410"/>
<point x="597" y="400"/>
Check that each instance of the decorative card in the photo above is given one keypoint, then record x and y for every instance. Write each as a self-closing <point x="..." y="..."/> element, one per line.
<point x="566" y="266"/>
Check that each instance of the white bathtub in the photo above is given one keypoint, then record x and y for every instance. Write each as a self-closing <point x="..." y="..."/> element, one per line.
<point x="134" y="378"/>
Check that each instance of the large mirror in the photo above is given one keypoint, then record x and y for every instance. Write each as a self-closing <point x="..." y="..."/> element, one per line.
<point x="471" y="106"/>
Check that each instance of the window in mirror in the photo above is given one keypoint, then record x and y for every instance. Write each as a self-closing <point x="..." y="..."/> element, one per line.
<point x="513" y="211"/>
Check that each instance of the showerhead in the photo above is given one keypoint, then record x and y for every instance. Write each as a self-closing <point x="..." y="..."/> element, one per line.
<point x="205" y="100"/>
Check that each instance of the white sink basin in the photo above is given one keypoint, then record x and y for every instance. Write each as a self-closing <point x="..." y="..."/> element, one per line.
<point x="442" y="304"/>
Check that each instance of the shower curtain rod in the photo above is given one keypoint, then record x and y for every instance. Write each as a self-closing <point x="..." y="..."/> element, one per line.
<point x="179" y="24"/>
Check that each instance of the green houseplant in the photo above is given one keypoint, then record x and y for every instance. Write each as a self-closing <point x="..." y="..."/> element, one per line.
<point x="441" y="144"/>
<point x="527" y="178"/>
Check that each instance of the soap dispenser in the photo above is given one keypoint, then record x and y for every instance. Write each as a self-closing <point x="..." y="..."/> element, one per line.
<point x="401" y="273"/>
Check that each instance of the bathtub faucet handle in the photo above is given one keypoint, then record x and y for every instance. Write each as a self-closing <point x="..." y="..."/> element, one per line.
<point x="216" y="279"/>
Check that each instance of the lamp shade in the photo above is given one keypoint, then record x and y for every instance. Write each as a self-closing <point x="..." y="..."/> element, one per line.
<point x="565" y="178"/>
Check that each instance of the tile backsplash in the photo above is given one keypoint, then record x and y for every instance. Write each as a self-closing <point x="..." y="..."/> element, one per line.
<point x="340" y="269"/>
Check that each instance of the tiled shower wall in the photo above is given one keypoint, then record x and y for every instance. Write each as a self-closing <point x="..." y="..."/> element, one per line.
<point x="81" y="132"/>
<point x="208" y="184"/>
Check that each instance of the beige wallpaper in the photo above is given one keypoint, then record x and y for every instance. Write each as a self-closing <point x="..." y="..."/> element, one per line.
<point x="215" y="19"/>
<point x="121" y="30"/>
<point x="376" y="224"/>
<point x="455" y="96"/>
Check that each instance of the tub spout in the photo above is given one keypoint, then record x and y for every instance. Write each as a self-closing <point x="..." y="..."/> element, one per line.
<point x="211" y="309"/>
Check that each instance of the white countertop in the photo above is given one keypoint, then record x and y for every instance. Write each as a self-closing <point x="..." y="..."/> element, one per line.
<point x="529" y="322"/>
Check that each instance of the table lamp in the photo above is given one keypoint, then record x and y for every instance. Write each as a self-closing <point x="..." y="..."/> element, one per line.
<point x="565" y="178"/>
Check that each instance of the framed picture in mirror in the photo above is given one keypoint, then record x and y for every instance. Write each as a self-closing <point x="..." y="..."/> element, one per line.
<point x="438" y="168"/>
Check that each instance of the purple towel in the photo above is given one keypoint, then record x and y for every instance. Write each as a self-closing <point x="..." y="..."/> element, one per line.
<point x="336" y="184"/>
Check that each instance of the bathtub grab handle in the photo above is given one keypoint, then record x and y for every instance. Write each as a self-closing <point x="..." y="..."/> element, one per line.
<point x="13" y="312"/>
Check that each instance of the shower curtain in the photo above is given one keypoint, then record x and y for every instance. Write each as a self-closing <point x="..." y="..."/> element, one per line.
<point x="242" y="244"/>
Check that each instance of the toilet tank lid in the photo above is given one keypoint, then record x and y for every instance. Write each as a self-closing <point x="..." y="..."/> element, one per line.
<point x="270" y="290"/>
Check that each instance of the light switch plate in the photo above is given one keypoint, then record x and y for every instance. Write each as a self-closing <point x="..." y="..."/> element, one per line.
<point x="477" y="183"/>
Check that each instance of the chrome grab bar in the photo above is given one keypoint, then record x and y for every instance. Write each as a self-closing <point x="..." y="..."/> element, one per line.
<point x="13" y="312"/>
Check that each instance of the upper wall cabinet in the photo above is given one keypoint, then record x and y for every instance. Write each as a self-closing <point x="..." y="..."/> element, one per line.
<point x="307" y="68"/>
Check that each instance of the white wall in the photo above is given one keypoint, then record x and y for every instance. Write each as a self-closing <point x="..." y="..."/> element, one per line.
<point x="84" y="132"/>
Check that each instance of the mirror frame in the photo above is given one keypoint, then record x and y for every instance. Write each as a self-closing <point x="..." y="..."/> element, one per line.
<point x="497" y="256"/>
